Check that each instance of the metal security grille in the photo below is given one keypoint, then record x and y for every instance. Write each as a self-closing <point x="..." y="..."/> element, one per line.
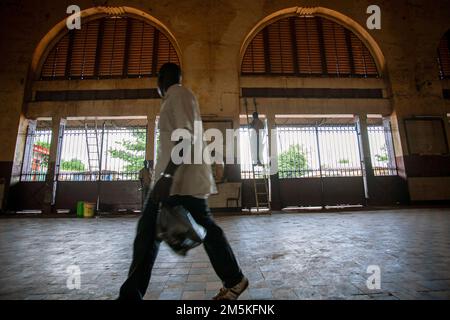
<point x="121" y="151"/>
<point x="318" y="151"/>
<point x="306" y="151"/>
<point x="37" y="154"/>
<point x="382" y="151"/>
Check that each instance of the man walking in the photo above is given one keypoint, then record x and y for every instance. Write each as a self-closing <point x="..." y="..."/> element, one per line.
<point x="188" y="185"/>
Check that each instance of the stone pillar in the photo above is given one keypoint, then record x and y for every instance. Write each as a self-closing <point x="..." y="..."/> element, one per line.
<point x="58" y="125"/>
<point x="399" y="143"/>
<point x="24" y="150"/>
<point x="10" y="171"/>
<point x="364" y="149"/>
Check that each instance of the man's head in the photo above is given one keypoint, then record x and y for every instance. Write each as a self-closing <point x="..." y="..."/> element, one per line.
<point x="145" y="164"/>
<point x="168" y="75"/>
<point x="255" y="115"/>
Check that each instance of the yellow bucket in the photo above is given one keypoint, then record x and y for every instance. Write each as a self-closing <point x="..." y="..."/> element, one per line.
<point x="89" y="209"/>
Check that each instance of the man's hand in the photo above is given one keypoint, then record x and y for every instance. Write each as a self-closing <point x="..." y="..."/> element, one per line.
<point x="161" y="191"/>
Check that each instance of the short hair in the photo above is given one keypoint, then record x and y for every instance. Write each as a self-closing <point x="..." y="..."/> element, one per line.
<point x="170" y="71"/>
<point x="255" y="114"/>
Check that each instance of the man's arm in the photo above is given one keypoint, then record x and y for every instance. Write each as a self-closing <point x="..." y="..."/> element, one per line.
<point x="161" y="191"/>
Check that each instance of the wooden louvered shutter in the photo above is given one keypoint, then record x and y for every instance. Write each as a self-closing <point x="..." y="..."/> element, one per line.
<point x="308" y="47"/>
<point x="112" y="54"/>
<point x="173" y="55"/>
<point x="444" y="56"/>
<point x="336" y="50"/>
<point x="140" y="53"/>
<point x="280" y="47"/>
<point x="254" y="61"/>
<point x="166" y="52"/>
<point x="101" y="47"/>
<point x="82" y="62"/>
<point x="56" y="62"/>
<point x="362" y="59"/>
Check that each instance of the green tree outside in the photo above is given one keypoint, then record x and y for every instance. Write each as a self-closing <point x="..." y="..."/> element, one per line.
<point x="292" y="163"/>
<point x="383" y="157"/>
<point x="132" y="151"/>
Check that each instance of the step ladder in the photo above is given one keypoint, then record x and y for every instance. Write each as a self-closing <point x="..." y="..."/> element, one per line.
<point x="93" y="150"/>
<point x="94" y="145"/>
<point x="260" y="174"/>
<point x="261" y="188"/>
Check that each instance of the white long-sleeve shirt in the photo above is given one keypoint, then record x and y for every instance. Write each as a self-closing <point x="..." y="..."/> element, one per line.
<point x="180" y="110"/>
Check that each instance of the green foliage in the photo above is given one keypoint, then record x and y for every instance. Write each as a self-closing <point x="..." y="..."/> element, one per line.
<point x="131" y="151"/>
<point x="384" y="157"/>
<point x="74" y="165"/>
<point x="292" y="162"/>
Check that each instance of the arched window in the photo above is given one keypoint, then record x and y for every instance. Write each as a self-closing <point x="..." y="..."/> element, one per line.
<point x="444" y="56"/>
<point x="308" y="46"/>
<point x="107" y="48"/>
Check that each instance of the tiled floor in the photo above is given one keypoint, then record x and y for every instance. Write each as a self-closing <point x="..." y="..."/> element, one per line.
<point x="285" y="256"/>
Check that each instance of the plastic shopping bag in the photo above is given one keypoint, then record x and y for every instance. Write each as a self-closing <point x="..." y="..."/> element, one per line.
<point x="177" y="227"/>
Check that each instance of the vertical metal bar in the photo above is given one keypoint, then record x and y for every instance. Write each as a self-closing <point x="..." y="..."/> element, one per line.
<point x="322" y="46"/>
<point x="106" y="150"/>
<point x="127" y="48"/>
<point x="83" y="64"/>
<point x="68" y="64"/>
<point x="110" y="73"/>
<point x="99" y="182"/>
<point x="348" y="41"/>
<point x="98" y="50"/>
<point x="155" y="52"/>
<point x="320" y="167"/>
<point x="294" y="45"/>
<point x="58" y="160"/>
<point x="362" y="159"/>
<point x="363" y="48"/>
<point x="338" y="66"/>
<point x="266" y="50"/>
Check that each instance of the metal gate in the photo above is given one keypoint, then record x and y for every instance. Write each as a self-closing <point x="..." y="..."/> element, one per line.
<point x="320" y="165"/>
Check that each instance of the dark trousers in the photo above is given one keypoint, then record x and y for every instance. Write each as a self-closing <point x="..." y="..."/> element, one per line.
<point x="144" y="192"/>
<point x="146" y="247"/>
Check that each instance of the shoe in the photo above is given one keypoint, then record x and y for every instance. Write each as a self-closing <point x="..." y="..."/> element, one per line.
<point x="232" y="293"/>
